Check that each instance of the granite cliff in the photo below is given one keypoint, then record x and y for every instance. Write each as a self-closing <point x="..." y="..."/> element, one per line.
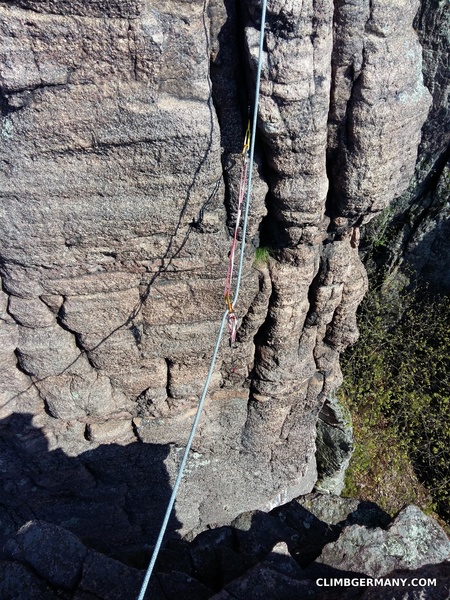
<point x="122" y="127"/>
<point x="414" y="231"/>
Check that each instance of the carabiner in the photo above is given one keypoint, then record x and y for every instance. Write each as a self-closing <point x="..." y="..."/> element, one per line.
<point x="246" y="147"/>
<point x="229" y="304"/>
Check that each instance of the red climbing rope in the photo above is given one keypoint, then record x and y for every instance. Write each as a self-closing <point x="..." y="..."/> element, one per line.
<point x="231" y="317"/>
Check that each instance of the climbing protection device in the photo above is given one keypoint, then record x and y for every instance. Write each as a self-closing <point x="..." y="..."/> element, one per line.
<point x="231" y="316"/>
<point x="177" y="482"/>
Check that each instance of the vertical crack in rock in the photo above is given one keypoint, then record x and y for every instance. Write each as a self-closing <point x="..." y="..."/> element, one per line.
<point x="378" y="104"/>
<point x="366" y="141"/>
<point x="286" y="388"/>
<point x="384" y="108"/>
<point x="232" y="99"/>
<point x="418" y="220"/>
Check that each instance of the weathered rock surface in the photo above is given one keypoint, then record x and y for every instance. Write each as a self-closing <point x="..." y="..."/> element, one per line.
<point x="377" y="91"/>
<point x="121" y="130"/>
<point x="259" y="556"/>
<point x="411" y="541"/>
<point x="414" y="234"/>
<point x="55" y="558"/>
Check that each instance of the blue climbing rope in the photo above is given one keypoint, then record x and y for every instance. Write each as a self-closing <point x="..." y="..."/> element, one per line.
<point x="222" y="324"/>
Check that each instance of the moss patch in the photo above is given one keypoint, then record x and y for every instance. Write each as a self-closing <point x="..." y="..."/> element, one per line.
<point x="262" y="255"/>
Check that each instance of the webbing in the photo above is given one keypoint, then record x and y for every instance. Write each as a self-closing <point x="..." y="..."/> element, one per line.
<point x="224" y="318"/>
<point x="231" y="317"/>
<point x="241" y="194"/>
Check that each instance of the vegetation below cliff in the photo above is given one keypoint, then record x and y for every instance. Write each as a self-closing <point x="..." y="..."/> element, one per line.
<point x="397" y="387"/>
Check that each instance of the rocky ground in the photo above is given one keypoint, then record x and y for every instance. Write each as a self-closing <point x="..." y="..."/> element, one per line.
<point x="286" y="554"/>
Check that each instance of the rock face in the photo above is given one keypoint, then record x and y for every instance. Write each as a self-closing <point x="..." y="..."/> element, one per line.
<point x="293" y="552"/>
<point x="414" y="234"/>
<point x="334" y="443"/>
<point x="122" y="127"/>
<point x="410" y="542"/>
<point x="45" y="561"/>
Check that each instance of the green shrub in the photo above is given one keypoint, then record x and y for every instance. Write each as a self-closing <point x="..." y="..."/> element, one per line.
<point x="262" y="255"/>
<point x="397" y="387"/>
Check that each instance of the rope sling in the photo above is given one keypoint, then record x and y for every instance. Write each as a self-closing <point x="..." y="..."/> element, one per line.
<point x="231" y="317"/>
<point x="248" y="168"/>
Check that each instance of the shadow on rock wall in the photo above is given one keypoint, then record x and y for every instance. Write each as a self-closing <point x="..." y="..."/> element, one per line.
<point x="286" y="554"/>
<point x="113" y="498"/>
